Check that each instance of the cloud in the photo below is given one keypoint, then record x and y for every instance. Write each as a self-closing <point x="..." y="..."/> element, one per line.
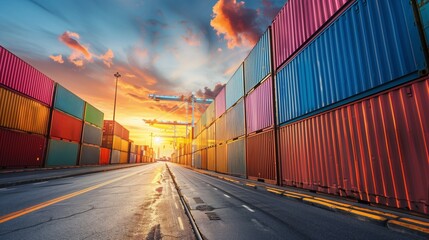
<point x="269" y="10"/>
<point x="107" y="58"/>
<point x="208" y="93"/>
<point x="238" y="24"/>
<point x="58" y="58"/>
<point x="191" y="39"/>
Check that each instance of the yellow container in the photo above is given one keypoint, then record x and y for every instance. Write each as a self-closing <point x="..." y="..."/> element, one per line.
<point x="117" y="143"/>
<point x="124" y="145"/>
<point x="21" y="113"/>
<point x="124" y="157"/>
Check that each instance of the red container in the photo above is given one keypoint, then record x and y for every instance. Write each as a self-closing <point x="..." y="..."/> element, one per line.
<point x="120" y="131"/>
<point x="66" y="127"/>
<point x="104" y="156"/>
<point x="259" y="107"/>
<point x="376" y="150"/>
<point x="261" y="157"/>
<point x="22" y="77"/>
<point x="298" y="22"/>
<point x="220" y="102"/>
<point x="204" y="159"/>
<point x="18" y="150"/>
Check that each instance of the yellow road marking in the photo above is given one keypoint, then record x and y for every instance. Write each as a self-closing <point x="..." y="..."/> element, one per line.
<point x="36" y="207"/>
<point x="368" y="215"/>
<point x="375" y="212"/>
<point x="274" y="191"/>
<point x="250" y="185"/>
<point x="416" y="221"/>
<point x="318" y="202"/>
<point x="299" y="194"/>
<point x="291" y="196"/>
<point x="333" y="202"/>
<point x="410" y="226"/>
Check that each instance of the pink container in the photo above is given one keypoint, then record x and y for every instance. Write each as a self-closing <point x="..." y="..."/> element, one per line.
<point x="259" y="107"/>
<point x="298" y="22"/>
<point x="220" y="102"/>
<point x="20" y="76"/>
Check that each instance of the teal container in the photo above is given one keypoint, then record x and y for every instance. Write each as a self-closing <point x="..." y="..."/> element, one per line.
<point x="61" y="153"/>
<point x="93" y="115"/>
<point x="68" y="102"/>
<point x="236" y="152"/>
<point x="423" y="6"/>
<point x="89" y="155"/>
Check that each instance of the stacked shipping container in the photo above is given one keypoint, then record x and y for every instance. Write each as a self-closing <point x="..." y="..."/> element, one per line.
<point x="116" y="138"/>
<point x="91" y="137"/>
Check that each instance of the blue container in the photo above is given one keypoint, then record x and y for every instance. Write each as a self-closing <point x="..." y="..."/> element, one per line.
<point x="423" y="6"/>
<point x="62" y="153"/>
<point x="235" y="87"/>
<point x="235" y="121"/>
<point x="365" y="51"/>
<point x="89" y="155"/>
<point x="236" y="152"/>
<point x="92" y="134"/>
<point x="257" y="65"/>
<point x="68" y="102"/>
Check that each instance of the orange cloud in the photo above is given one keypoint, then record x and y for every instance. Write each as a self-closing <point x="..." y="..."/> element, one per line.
<point x="236" y="23"/>
<point x="58" y="58"/>
<point x="107" y="58"/>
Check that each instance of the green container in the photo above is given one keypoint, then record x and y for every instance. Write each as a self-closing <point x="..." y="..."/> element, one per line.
<point x="61" y="153"/>
<point x="93" y="115"/>
<point x="68" y="102"/>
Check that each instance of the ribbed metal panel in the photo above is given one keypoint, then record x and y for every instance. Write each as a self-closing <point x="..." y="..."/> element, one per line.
<point x="236" y="152"/>
<point x="261" y="157"/>
<point x="61" y="153"/>
<point x="297" y="22"/>
<point x="259" y="107"/>
<point x="211" y="159"/>
<point x="376" y="150"/>
<point x="89" y="155"/>
<point x="21" y="113"/>
<point x="124" y="145"/>
<point x="204" y="159"/>
<point x="197" y="159"/>
<point x="211" y="135"/>
<point x="203" y="139"/>
<point x="235" y="121"/>
<point x="104" y="156"/>
<point x="123" y="158"/>
<point x="92" y="135"/>
<point x="423" y="7"/>
<point x="93" y="115"/>
<point x="258" y="64"/>
<point x="221" y="132"/>
<point x="221" y="159"/>
<point x="234" y="88"/>
<point x="220" y="104"/>
<point x="68" y="102"/>
<point x="364" y="51"/>
<point x="65" y="127"/>
<point x="133" y="158"/>
<point x="116" y="156"/>
<point x="22" y="77"/>
<point x="210" y="114"/>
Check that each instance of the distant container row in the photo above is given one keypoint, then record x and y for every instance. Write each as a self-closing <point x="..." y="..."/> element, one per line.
<point x="332" y="98"/>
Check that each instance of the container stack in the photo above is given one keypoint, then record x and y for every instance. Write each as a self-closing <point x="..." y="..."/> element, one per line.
<point x="66" y="128"/>
<point x="116" y="138"/>
<point x="25" y="100"/>
<point x="211" y="136"/>
<point x="132" y="152"/>
<point x="90" y="153"/>
<point x="139" y="153"/>
<point x="220" y="106"/>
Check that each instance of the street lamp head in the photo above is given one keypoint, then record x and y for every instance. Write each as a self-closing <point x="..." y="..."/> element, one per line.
<point x="117" y="75"/>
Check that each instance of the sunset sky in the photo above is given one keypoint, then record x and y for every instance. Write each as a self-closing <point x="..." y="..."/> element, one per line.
<point x="166" y="47"/>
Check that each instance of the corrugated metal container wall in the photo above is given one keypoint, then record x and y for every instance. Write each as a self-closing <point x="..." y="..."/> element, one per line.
<point x="197" y="128"/>
<point x="236" y="152"/>
<point x="257" y="65"/>
<point x="92" y="135"/>
<point x="89" y="155"/>
<point x="211" y="158"/>
<point x="203" y="139"/>
<point x="234" y="88"/>
<point x="21" y="113"/>
<point x="104" y="156"/>
<point x="124" y="145"/>
<point x="111" y="141"/>
<point x="93" y="115"/>
<point x="123" y="157"/>
<point x="423" y="6"/>
<point x="211" y="135"/>
<point x="66" y="127"/>
<point x="133" y="158"/>
<point x="204" y="159"/>
<point x="235" y="121"/>
<point x="259" y="107"/>
<point x="61" y="153"/>
<point x="119" y="129"/>
<point x="355" y="48"/>
<point x="21" y="149"/>
<point x="116" y="156"/>
<point x="221" y="159"/>
<point x="20" y="76"/>
<point x="211" y="114"/>
<point x="197" y="159"/>
<point x="375" y="150"/>
<point x="132" y="147"/>
<point x="221" y="133"/>
<point x="261" y="157"/>
<point x="220" y="103"/>
<point x="297" y="22"/>
<point x="68" y="102"/>
<point x="203" y="120"/>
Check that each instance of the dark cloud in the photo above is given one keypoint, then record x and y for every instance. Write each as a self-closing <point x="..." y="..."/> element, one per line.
<point x="270" y="9"/>
<point x="208" y="93"/>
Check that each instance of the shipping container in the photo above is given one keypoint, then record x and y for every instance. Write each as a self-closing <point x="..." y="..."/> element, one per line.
<point x="261" y="157"/>
<point x="132" y="147"/>
<point x="235" y="121"/>
<point x="211" y="135"/>
<point x="21" y="113"/>
<point x="211" y="158"/>
<point x="21" y="77"/>
<point x="259" y="107"/>
<point x="234" y="89"/>
<point x="65" y="127"/>
<point x="20" y="150"/>
<point x="124" y="145"/>
<point x="133" y="158"/>
<point x="361" y="53"/>
<point x="112" y="142"/>
<point x="423" y="7"/>
<point x="123" y="157"/>
<point x="138" y="158"/>
<point x="298" y="22"/>
<point x="220" y="104"/>
<point x="120" y="131"/>
<point x="116" y="156"/>
<point x="204" y="159"/>
<point x="203" y="120"/>
<point x="257" y="66"/>
<point x="92" y="134"/>
<point x="203" y="139"/>
<point x="104" y="156"/>
<point x="68" y="102"/>
<point x="221" y="134"/>
<point x="62" y="153"/>
<point x="89" y="155"/>
<point x="93" y="115"/>
<point x="375" y="150"/>
<point x="211" y="113"/>
<point x="197" y="159"/>
<point x="236" y="155"/>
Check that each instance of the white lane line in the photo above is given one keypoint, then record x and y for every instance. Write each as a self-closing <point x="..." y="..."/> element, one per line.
<point x="180" y="222"/>
<point x="37" y="183"/>
<point x="227" y="196"/>
<point x="215" y="188"/>
<point x="248" y="208"/>
<point x="175" y="204"/>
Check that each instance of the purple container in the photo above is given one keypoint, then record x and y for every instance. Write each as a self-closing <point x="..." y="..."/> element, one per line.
<point x="297" y="22"/>
<point x="22" y="77"/>
<point x="220" y="103"/>
<point x="259" y="107"/>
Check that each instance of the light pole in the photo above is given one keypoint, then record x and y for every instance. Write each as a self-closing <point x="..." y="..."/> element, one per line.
<point x="117" y="76"/>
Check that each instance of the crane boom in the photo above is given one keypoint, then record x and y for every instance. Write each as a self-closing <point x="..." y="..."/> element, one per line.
<point x="180" y="99"/>
<point x="176" y="123"/>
